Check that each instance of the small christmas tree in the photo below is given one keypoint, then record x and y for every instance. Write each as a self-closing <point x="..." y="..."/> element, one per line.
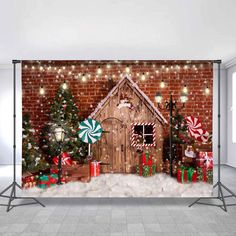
<point x="65" y="112"/>
<point x="32" y="160"/>
<point x="179" y="136"/>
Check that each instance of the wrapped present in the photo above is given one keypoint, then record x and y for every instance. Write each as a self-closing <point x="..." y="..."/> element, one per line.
<point x="147" y="170"/>
<point x="182" y="175"/>
<point x="192" y="175"/>
<point x="46" y="181"/>
<point x="205" y="159"/>
<point x="94" y="168"/>
<point x="29" y="185"/>
<point x="202" y="174"/>
<point x="29" y="178"/>
<point x="209" y="174"/>
<point x="146" y="159"/>
<point x="65" y="159"/>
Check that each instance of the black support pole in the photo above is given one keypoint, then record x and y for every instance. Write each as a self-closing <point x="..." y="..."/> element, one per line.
<point x="171" y="115"/>
<point x="220" y="195"/>
<point x="14" y="185"/>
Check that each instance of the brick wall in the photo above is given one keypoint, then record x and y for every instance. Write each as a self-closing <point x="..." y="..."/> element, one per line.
<point x="197" y="75"/>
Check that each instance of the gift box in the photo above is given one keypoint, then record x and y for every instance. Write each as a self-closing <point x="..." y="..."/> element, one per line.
<point x="147" y="170"/>
<point x="205" y="159"/>
<point x="29" y="180"/>
<point x="192" y="175"/>
<point x="94" y="168"/>
<point x="46" y="181"/>
<point x="29" y="185"/>
<point x="182" y="175"/>
<point x="65" y="159"/>
<point x="146" y="159"/>
<point x="202" y="174"/>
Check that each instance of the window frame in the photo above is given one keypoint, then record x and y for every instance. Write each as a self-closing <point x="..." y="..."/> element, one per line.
<point x="134" y="136"/>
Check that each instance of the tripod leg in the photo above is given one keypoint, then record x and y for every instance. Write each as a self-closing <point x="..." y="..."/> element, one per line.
<point x="10" y="199"/>
<point x="18" y="186"/>
<point x="215" y="185"/>
<point x="194" y="202"/>
<point x="228" y="190"/>
<point x="6" y="189"/>
<point x="35" y="199"/>
<point x="222" y="198"/>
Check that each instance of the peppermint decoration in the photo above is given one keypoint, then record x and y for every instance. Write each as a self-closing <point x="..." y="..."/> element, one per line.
<point x="90" y="131"/>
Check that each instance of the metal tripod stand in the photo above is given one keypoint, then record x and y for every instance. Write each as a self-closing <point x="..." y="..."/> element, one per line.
<point x="14" y="185"/>
<point x="220" y="195"/>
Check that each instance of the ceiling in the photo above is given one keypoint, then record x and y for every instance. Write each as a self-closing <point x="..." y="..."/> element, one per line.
<point x="117" y="29"/>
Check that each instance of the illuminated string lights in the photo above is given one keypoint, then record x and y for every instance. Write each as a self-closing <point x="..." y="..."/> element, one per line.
<point x="41" y="90"/>
<point x="64" y="85"/>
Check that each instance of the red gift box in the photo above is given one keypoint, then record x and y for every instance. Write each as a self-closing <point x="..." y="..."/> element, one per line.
<point x="205" y="159"/>
<point x="146" y="159"/>
<point x="94" y="168"/>
<point x="182" y="177"/>
<point x="65" y="159"/>
<point x="194" y="177"/>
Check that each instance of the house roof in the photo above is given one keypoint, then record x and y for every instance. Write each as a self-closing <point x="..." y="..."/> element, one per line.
<point x="135" y="87"/>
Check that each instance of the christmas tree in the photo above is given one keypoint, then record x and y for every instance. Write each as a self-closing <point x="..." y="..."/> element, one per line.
<point x="64" y="112"/>
<point x="180" y="133"/>
<point x="179" y="136"/>
<point x="32" y="160"/>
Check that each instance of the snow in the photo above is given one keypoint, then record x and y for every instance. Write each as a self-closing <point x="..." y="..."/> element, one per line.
<point x="125" y="185"/>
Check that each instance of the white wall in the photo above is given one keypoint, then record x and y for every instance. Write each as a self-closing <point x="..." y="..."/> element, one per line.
<point x="6" y="117"/>
<point x="231" y="147"/>
<point x="6" y="114"/>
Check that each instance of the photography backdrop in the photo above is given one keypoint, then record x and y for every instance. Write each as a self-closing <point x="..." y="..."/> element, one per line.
<point x="131" y="159"/>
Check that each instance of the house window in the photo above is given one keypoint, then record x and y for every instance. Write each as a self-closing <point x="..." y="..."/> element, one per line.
<point x="143" y="134"/>
<point x="234" y="108"/>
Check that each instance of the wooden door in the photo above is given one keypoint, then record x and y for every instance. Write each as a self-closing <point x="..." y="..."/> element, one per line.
<point x="112" y="151"/>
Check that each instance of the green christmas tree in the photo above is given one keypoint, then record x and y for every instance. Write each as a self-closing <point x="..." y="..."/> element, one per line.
<point x="180" y="130"/>
<point x="64" y="111"/>
<point x="32" y="160"/>
<point x="179" y="136"/>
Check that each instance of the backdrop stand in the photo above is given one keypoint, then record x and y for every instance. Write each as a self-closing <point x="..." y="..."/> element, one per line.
<point x="14" y="185"/>
<point x="220" y="195"/>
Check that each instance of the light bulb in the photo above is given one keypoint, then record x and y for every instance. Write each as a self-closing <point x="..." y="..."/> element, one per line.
<point x="99" y="70"/>
<point x="127" y="69"/>
<point x="64" y="85"/>
<point x="207" y="90"/>
<point x="162" y="84"/>
<point x="83" y="78"/>
<point x="108" y="66"/>
<point x="185" y="89"/>
<point x="41" y="68"/>
<point x="143" y="77"/>
<point x="41" y="90"/>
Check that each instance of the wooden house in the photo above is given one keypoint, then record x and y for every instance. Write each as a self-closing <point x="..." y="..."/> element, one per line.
<point x="131" y="123"/>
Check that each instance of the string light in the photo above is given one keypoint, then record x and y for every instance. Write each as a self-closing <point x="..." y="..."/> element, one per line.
<point x="64" y="85"/>
<point x="143" y="77"/>
<point x="185" y="89"/>
<point x="162" y="84"/>
<point x="99" y="70"/>
<point x="41" y="90"/>
<point x="127" y="69"/>
<point x="84" y="79"/>
<point x="207" y="90"/>
<point x="108" y="66"/>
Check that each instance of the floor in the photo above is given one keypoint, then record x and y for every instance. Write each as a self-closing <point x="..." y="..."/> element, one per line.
<point x="131" y="216"/>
